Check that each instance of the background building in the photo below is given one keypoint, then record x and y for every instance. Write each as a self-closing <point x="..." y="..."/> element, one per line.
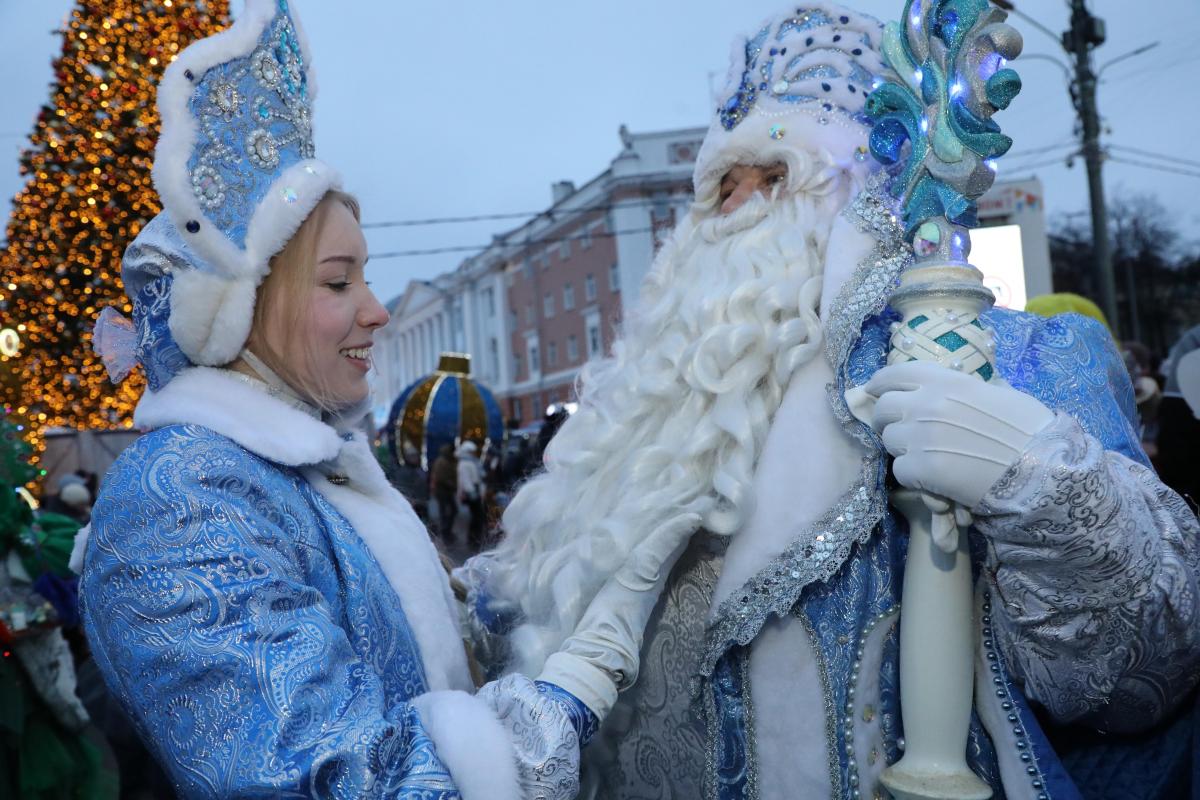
<point x="533" y="307"/>
<point x="545" y="297"/>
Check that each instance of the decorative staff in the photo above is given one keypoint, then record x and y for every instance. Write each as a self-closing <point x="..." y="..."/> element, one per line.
<point x="933" y="121"/>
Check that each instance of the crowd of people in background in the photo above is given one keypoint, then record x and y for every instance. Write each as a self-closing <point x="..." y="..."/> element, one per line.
<point x="479" y="485"/>
<point x="464" y="487"/>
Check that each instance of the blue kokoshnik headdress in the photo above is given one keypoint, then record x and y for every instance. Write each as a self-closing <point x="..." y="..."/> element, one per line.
<point x="235" y="170"/>
<point x="799" y="82"/>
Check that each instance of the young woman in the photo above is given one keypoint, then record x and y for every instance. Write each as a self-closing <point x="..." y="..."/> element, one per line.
<point x="267" y="608"/>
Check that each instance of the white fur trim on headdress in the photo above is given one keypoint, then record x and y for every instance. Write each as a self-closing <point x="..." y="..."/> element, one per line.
<point x="211" y="315"/>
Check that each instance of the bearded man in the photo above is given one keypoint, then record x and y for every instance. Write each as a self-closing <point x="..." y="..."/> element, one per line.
<point x="715" y="450"/>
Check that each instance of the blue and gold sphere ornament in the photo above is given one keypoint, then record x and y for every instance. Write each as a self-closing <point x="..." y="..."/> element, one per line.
<point x="444" y="407"/>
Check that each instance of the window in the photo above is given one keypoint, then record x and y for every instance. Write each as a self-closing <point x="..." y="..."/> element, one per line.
<point x="614" y="278"/>
<point x="585" y="241"/>
<point x="516" y="409"/>
<point x="595" y="345"/>
<point x="535" y="359"/>
<point x="568" y="297"/>
<point x="572" y="349"/>
<point x="489" y="302"/>
<point x="564" y="248"/>
<point x="513" y="318"/>
<point x="552" y="354"/>
<point x="544" y="259"/>
<point x="529" y="313"/>
<point x="494" y="356"/>
<point x="548" y="305"/>
<point x="516" y="364"/>
<point x="589" y="287"/>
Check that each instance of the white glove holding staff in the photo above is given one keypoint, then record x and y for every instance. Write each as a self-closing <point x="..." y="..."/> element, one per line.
<point x="952" y="434"/>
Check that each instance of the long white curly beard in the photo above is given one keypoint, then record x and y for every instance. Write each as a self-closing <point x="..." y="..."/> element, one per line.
<point x="671" y="425"/>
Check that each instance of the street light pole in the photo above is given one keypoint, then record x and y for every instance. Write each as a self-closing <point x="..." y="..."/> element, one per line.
<point x="1087" y="32"/>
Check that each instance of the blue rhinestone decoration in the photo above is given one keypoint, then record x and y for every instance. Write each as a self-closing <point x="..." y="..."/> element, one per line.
<point x="253" y="121"/>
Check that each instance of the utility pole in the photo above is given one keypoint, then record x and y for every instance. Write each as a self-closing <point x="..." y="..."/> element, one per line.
<point x="1086" y="33"/>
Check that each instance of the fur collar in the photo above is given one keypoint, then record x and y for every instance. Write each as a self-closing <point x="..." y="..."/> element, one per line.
<point x="222" y="401"/>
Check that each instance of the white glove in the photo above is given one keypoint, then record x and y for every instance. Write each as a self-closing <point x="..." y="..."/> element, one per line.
<point x="601" y="657"/>
<point x="952" y="434"/>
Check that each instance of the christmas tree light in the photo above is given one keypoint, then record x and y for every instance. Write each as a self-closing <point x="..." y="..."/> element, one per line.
<point x="88" y="193"/>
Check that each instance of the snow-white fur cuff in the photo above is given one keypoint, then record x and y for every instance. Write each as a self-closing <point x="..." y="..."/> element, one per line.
<point x="472" y="744"/>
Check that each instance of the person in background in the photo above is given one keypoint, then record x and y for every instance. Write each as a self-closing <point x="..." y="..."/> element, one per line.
<point x="470" y="492"/>
<point x="443" y="484"/>
<point x="1178" y="428"/>
<point x="412" y="481"/>
<point x="1147" y="394"/>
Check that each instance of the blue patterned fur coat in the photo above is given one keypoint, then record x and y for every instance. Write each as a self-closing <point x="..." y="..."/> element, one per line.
<point x="272" y="629"/>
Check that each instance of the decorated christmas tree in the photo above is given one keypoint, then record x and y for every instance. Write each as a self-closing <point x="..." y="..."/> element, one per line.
<point x="88" y="193"/>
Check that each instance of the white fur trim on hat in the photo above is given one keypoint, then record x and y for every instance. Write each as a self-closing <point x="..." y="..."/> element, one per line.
<point x="211" y="315"/>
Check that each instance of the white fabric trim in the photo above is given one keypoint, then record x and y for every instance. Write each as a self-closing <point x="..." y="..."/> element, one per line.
<point x="210" y="315"/>
<point x="472" y="744"/>
<point x="789" y="713"/>
<point x="401" y="545"/>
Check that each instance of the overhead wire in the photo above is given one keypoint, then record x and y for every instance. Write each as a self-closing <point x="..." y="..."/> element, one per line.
<point x="1151" y="154"/>
<point x="1160" y="167"/>
<point x="516" y="245"/>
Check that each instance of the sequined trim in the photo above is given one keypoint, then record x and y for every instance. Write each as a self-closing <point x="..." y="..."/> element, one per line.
<point x="866" y="293"/>
<point x="815" y="554"/>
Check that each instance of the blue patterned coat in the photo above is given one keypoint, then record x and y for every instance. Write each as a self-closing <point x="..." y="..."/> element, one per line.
<point x="275" y="620"/>
<point x="1087" y="604"/>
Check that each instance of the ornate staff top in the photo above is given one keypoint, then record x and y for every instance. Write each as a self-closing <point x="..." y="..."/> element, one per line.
<point x="933" y="114"/>
<point x="933" y="121"/>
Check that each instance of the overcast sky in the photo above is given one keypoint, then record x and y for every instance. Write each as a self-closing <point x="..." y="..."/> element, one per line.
<point x="463" y="107"/>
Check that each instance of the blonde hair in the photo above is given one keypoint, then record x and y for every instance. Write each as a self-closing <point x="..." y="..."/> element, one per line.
<point x="283" y="294"/>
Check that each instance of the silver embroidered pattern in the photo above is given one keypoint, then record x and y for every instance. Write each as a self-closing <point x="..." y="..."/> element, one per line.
<point x="545" y="744"/>
<point x="867" y="291"/>
<point x="743" y="668"/>
<point x="852" y="700"/>
<point x="266" y="69"/>
<point x="225" y="99"/>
